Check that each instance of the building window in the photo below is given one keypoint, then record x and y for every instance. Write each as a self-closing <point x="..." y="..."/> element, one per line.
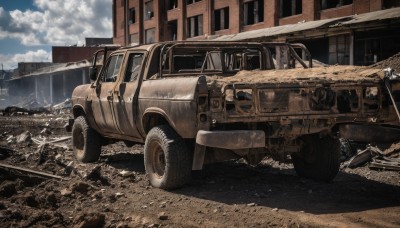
<point x="172" y="4"/>
<point x="195" y="26"/>
<point x="253" y="12"/>
<point x="149" y="36"/>
<point x="134" y="38"/>
<point x="339" y="50"/>
<point x="148" y="10"/>
<point x="291" y="7"/>
<point x="172" y="29"/>
<point x="387" y="4"/>
<point x="188" y="2"/>
<point x="221" y="19"/>
<point x="328" y="4"/>
<point x="132" y="16"/>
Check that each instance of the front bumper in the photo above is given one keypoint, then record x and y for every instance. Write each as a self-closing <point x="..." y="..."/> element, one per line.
<point x="232" y="140"/>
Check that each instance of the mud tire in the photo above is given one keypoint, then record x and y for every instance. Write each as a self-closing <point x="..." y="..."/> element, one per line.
<point x="166" y="158"/>
<point x="85" y="141"/>
<point x="318" y="159"/>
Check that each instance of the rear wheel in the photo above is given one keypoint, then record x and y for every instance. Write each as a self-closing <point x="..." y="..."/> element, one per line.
<point x="318" y="159"/>
<point x="167" y="159"/>
<point x="85" y="141"/>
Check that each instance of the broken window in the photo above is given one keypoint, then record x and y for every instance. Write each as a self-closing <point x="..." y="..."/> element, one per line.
<point x="339" y="50"/>
<point x="291" y="7"/>
<point x="133" y="69"/>
<point x="195" y="26"/>
<point x="327" y="4"/>
<point x="221" y="19"/>
<point x="149" y="35"/>
<point x="253" y="12"/>
<point x="192" y="1"/>
<point x="111" y="71"/>
<point x="148" y="10"/>
<point x="172" y="4"/>
<point x="172" y="29"/>
<point x="132" y="16"/>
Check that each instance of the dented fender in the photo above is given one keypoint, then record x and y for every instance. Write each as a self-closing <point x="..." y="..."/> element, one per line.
<point x="172" y="98"/>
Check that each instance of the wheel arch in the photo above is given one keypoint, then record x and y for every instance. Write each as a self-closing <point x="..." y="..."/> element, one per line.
<point x="78" y="110"/>
<point x="153" y="117"/>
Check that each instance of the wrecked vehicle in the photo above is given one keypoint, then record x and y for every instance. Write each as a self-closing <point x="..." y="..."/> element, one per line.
<point x="193" y="103"/>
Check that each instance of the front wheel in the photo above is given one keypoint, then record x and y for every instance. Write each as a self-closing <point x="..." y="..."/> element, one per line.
<point x="85" y="141"/>
<point x="166" y="158"/>
<point x="318" y="159"/>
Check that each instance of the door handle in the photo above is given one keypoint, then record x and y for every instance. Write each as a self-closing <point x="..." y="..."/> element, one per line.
<point x="109" y="97"/>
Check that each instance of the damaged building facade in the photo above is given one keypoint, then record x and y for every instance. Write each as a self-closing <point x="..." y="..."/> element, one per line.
<point x="51" y="83"/>
<point x="348" y="32"/>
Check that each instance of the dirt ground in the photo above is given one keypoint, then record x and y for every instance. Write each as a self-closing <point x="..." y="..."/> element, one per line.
<point x="114" y="192"/>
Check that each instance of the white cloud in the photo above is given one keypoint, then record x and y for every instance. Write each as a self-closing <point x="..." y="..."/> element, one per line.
<point x="11" y="61"/>
<point x="58" y="22"/>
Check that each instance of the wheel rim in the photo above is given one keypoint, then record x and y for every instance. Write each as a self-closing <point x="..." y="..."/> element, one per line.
<point x="158" y="160"/>
<point x="79" y="142"/>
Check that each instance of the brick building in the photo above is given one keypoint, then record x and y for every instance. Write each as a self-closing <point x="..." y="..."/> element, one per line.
<point x="148" y="21"/>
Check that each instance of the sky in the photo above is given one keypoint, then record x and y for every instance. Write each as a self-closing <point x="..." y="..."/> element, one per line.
<point x="28" y="28"/>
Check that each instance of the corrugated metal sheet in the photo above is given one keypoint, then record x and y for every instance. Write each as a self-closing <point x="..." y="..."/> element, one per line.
<point x="393" y="13"/>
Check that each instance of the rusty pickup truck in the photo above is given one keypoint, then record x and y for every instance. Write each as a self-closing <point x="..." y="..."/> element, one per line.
<point x="192" y="103"/>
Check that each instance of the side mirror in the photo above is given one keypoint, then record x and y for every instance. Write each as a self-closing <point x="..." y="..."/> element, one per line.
<point x="93" y="73"/>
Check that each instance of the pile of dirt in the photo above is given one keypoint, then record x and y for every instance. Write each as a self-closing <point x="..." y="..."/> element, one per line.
<point x="392" y="62"/>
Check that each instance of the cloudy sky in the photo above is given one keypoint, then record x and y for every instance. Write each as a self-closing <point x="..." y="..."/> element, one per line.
<point x="28" y="28"/>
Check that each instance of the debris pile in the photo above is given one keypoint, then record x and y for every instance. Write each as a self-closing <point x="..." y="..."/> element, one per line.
<point x="392" y="62"/>
<point x="388" y="159"/>
<point x="31" y="107"/>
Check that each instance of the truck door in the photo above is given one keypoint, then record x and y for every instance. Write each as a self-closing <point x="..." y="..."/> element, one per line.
<point x="125" y="96"/>
<point x="102" y="96"/>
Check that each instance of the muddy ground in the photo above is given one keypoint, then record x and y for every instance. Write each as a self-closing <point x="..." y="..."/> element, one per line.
<point x="114" y="192"/>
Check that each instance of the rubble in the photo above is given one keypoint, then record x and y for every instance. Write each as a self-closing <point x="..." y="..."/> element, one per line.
<point x="32" y="107"/>
<point x="378" y="159"/>
<point x="392" y="62"/>
<point x="5" y="152"/>
<point x="24" y="137"/>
